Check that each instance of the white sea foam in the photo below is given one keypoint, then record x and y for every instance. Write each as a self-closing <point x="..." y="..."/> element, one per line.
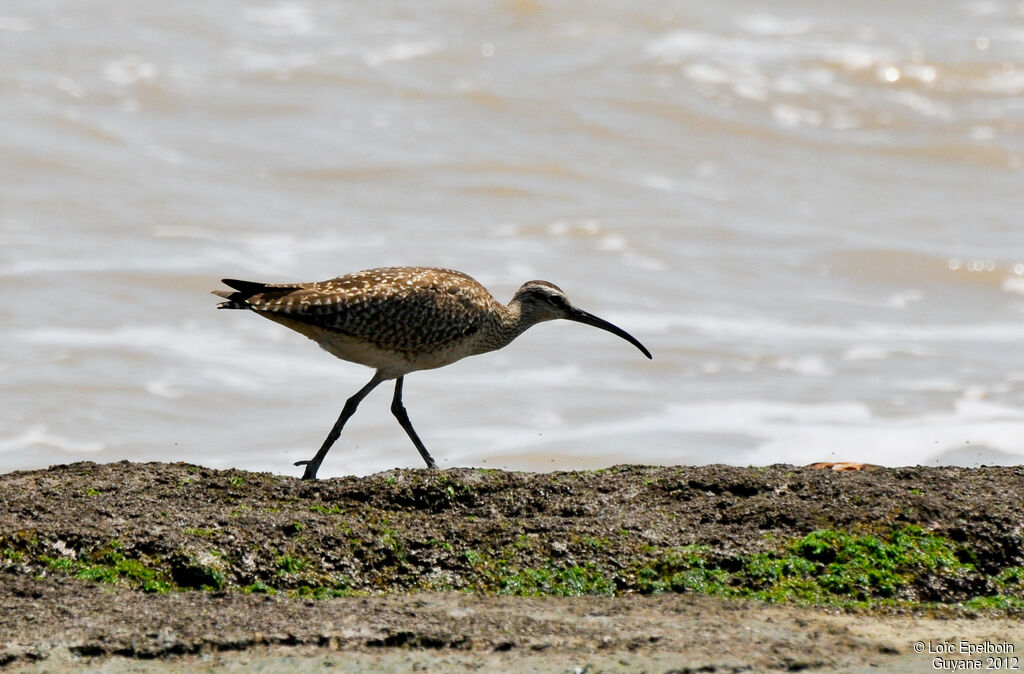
<point x="680" y="44"/>
<point x="770" y="329"/>
<point x="402" y="51"/>
<point x="773" y="26"/>
<point x="282" y="19"/>
<point x="904" y="298"/>
<point x="1013" y="284"/>
<point x="39" y="437"/>
<point x="880" y="352"/>
<point x="776" y="432"/>
<point x="50" y="265"/>
<point x="791" y="115"/>
<point x="130" y="69"/>
<point x="808" y="366"/>
<point x="259" y="354"/>
<point x="929" y="385"/>
<point x="707" y="74"/>
<point x="164" y="388"/>
<point x="271" y="61"/>
<point x="749" y="50"/>
<point x="849" y="432"/>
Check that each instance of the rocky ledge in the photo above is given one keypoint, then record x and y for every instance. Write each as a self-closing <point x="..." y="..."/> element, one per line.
<point x="175" y="560"/>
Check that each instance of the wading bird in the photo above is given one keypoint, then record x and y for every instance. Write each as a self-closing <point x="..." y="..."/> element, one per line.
<point x="399" y="320"/>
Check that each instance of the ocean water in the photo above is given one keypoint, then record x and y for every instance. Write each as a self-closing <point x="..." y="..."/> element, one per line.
<point x="811" y="214"/>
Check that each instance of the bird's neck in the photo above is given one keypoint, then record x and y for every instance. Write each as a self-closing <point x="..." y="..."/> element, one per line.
<point x="507" y="322"/>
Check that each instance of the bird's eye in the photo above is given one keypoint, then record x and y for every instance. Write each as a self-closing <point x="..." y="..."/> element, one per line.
<point x="556" y="300"/>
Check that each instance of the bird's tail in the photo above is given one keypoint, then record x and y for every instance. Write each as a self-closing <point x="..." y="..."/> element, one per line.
<point x="243" y="291"/>
<point x="252" y="294"/>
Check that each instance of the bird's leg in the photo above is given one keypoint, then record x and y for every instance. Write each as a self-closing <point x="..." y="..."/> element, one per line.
<point x="313" y="465"/>
<point x="398" y="409"/>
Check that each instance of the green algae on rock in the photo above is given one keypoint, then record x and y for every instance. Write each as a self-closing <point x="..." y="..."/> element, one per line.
<point x="888" y="537"/>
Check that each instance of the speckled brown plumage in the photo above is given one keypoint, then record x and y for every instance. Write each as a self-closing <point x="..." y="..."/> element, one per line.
<point x="412" y="317"/>
<point x="401" y="319"/>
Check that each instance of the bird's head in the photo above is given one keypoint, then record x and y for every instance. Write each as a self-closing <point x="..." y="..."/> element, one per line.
<point x="540" y="301"/>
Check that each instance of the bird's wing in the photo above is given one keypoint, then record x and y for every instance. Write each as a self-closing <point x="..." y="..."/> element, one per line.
<point x="400" y="309"/>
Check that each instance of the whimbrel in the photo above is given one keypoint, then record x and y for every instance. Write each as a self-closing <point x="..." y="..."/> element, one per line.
<point x="401" y="319"/>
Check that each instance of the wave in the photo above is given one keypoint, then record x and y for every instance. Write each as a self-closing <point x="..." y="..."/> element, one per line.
<point x="40" y="438"/>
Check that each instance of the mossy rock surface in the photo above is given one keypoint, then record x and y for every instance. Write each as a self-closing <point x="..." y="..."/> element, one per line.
<point x="108" y="567"/>
<point x="877" y="538"/>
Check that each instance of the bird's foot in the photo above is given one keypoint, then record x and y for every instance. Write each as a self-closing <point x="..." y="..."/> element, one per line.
<point x="311" y="468"/>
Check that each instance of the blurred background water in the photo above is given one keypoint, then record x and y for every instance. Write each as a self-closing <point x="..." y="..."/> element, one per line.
<point x="811" y="214"/>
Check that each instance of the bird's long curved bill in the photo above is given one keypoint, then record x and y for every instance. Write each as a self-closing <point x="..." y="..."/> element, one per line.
<point x="581" y="316"/>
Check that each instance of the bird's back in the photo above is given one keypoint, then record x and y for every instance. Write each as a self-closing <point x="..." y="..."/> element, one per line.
<point x="402" y="313"/>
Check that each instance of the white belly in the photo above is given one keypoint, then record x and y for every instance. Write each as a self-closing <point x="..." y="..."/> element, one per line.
<point x="392" y="364"/>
